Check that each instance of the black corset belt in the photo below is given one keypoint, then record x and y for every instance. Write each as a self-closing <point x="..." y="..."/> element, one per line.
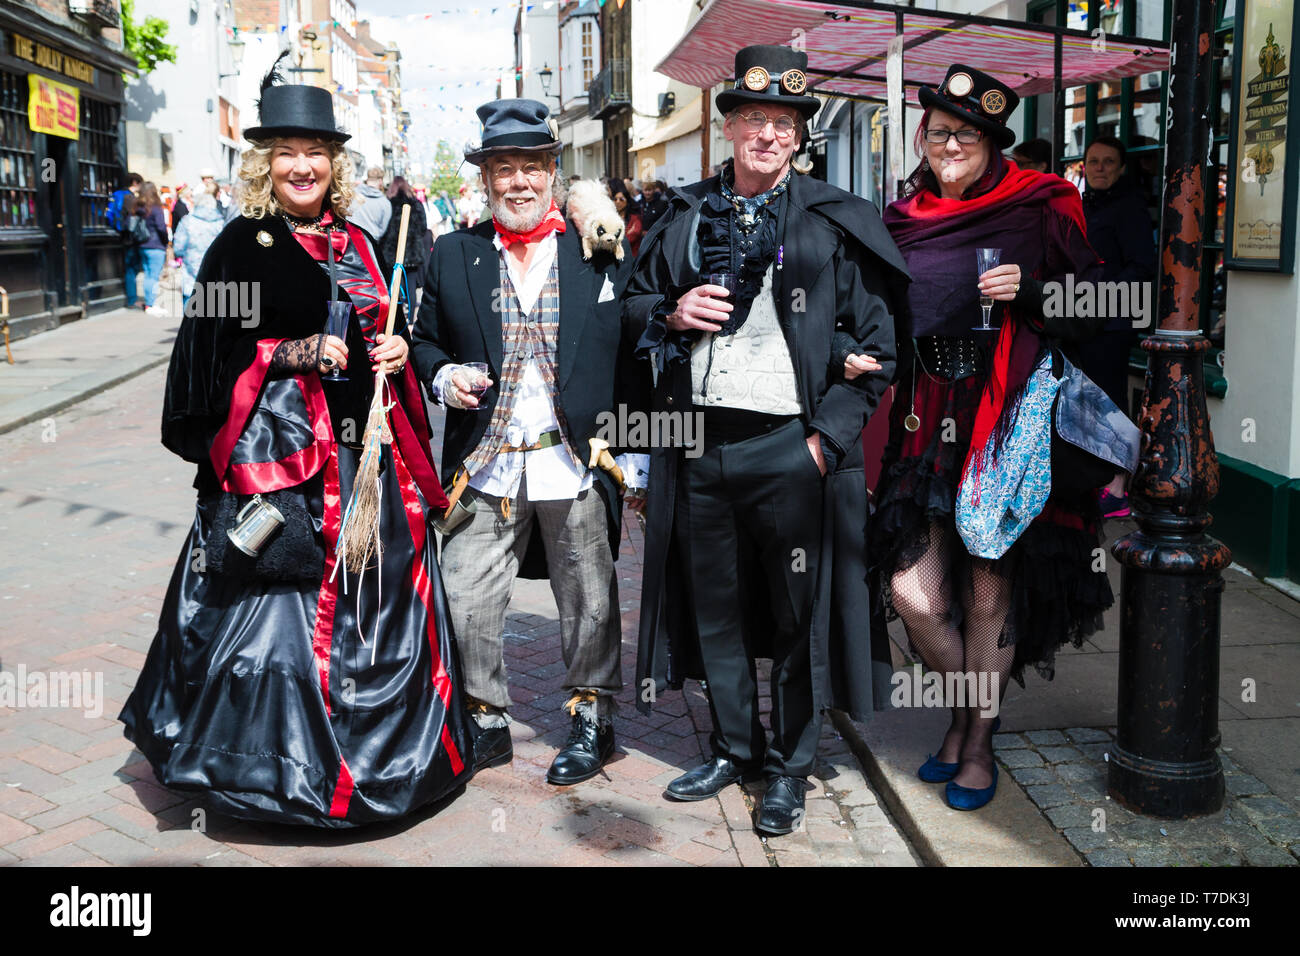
<point x="950" y="357"/>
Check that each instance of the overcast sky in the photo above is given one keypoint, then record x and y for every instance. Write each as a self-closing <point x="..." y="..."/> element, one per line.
<point x="444" y="50"/>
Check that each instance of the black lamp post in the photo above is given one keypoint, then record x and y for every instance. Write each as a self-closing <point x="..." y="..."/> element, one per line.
<point x="1164" y="762"/>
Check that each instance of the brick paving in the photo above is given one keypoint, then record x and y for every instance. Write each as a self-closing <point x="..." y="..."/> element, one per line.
<point x="93" y="512"/>
<point x="1064" y="774"/>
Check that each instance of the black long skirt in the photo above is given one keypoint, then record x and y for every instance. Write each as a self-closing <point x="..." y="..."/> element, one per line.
<point x="1056" y="568"/>
<point x="329" y="704"/>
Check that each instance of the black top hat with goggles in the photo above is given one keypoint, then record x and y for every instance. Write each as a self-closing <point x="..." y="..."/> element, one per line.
<point x="983" y="101"/>
<point x="770" y="74"/>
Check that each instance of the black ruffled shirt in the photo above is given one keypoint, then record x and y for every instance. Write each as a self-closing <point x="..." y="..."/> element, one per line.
<point x="736" y="234"/>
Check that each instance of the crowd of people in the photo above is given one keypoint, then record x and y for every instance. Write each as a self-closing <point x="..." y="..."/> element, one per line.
<point x="163" y="240"/>
<point x="292" y="680"/>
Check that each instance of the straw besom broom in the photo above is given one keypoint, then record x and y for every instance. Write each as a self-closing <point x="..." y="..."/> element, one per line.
<point x="359" y="532"/>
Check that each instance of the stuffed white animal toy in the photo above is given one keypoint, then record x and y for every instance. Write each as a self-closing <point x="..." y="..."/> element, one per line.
<point x="598" y="222"/>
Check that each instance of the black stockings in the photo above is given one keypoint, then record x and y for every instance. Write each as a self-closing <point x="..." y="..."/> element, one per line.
<point x="957" y="634"/>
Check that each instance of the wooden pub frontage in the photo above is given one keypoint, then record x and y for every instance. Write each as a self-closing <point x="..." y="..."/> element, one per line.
<point x="62" y="154"/>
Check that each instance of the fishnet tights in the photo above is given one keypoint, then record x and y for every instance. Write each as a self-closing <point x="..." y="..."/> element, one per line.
<point x="958" y="632"/>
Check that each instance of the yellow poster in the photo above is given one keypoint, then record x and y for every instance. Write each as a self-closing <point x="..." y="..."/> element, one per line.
<point x="53" y="107"/>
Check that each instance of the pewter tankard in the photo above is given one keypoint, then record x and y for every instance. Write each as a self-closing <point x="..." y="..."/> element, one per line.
<point x="256" y="524"/>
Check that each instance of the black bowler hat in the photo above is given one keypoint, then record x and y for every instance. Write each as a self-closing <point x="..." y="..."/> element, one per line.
<point x="770" y="74"/>
<point x="514" y="126"/>
<point x="976" y="97"/>
<point x="287" y="109"/>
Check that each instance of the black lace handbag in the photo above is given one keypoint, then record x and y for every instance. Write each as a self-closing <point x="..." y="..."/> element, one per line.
<point x="296" y="553"/>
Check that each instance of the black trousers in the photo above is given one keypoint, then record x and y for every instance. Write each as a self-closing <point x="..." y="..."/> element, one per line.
<point x="758" y="498"/>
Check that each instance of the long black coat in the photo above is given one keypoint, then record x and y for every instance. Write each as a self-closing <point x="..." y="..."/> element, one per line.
<point x="459" y="320"/>
<point x="842" y="273"/>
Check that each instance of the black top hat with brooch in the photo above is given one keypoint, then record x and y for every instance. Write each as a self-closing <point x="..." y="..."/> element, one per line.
<point x="976" y="97"/>
<point x="515" y="126"/>
<point x="288" y="109"/>
<point x="770" y="74"/>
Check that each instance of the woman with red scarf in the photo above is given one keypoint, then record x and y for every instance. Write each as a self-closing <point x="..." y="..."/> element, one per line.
<point x="958" y="388"/>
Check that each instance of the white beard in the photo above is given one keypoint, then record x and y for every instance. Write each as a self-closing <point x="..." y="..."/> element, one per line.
<point x="504" y="213"/>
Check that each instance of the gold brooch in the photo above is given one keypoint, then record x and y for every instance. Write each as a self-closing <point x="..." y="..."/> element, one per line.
<point x="993" y="102"/>
<point x="794" y="81"/>
<point x="757" y="79"/>
<point x="960" y="84"/>
<point x="264" y="237"/>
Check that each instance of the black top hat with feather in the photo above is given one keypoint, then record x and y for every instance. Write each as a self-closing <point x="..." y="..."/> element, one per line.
<point x="289" y="109"/>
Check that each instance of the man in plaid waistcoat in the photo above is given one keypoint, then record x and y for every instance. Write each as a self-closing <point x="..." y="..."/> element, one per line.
<point x="516" y="294"/>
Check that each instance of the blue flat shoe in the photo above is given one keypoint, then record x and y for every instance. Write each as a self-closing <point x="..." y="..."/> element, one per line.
<point x="966" y="798"/>
<point x="936" y="771"/>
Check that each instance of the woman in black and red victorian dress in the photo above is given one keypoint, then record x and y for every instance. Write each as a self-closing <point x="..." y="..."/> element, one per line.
<point x="957" y="386"/>
<point x="287" y="688"/>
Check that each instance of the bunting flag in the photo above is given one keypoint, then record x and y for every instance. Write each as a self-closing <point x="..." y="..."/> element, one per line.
<point x="544" y="5"/>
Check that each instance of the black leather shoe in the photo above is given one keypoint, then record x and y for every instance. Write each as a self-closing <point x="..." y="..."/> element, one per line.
<point x="709" y="780"/>
<point x="585" y="752"/>
<point x="492" y="746"/>
<point x="782" y="809"/>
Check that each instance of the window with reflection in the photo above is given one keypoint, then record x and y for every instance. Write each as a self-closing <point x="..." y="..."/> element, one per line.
<point x="97" y="161"/>
<point x="17" y="158"/>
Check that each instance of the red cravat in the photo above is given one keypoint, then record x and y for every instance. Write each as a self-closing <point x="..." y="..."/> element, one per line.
<point x="315" y="243"/>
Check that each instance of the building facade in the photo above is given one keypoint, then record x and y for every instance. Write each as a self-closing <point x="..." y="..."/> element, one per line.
<point x="580" y="61"/>
<point x="62" y="154"/>
<point x="667" y="116"/>
<point x="609" y="97"/>
<point x="183" y="116"/>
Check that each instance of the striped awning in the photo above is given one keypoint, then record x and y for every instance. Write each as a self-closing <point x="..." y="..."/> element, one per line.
<point x="847" y="42"/>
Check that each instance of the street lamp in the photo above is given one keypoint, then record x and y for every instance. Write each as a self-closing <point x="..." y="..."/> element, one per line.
<point x="545" y="74"/>
<point x="236" y="56"/>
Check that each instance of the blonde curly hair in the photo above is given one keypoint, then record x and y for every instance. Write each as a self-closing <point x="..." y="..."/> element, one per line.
<point x="257" y="198"/>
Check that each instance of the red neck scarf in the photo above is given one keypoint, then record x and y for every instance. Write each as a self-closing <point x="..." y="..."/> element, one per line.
<point x="553" y="221"/>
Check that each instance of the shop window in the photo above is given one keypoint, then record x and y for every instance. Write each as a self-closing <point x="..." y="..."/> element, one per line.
<point x="17" y="159"/>
<point x="97" y="161"/>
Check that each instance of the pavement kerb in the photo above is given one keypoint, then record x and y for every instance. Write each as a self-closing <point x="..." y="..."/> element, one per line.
<point x="885" y="792"/>
<point x="1011" y="831"/>
<point x="65" y="394"/>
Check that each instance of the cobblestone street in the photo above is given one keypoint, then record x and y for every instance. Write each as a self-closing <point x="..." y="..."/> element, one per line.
<point x="93" y="510"/>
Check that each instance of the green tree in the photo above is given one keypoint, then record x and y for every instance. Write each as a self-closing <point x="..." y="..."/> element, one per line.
<point x="146" y="41"/>
<point x="445" y="170"/>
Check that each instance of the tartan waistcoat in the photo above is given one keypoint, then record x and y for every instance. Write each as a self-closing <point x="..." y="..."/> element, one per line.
<point x="523" y="337"/>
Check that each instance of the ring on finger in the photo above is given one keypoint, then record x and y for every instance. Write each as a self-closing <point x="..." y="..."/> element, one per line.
<point x="327" y="362"/>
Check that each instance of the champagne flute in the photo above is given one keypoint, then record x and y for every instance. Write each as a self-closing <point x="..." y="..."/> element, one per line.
<point x="986" y="259"/>
<point x="336" y="323"/>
